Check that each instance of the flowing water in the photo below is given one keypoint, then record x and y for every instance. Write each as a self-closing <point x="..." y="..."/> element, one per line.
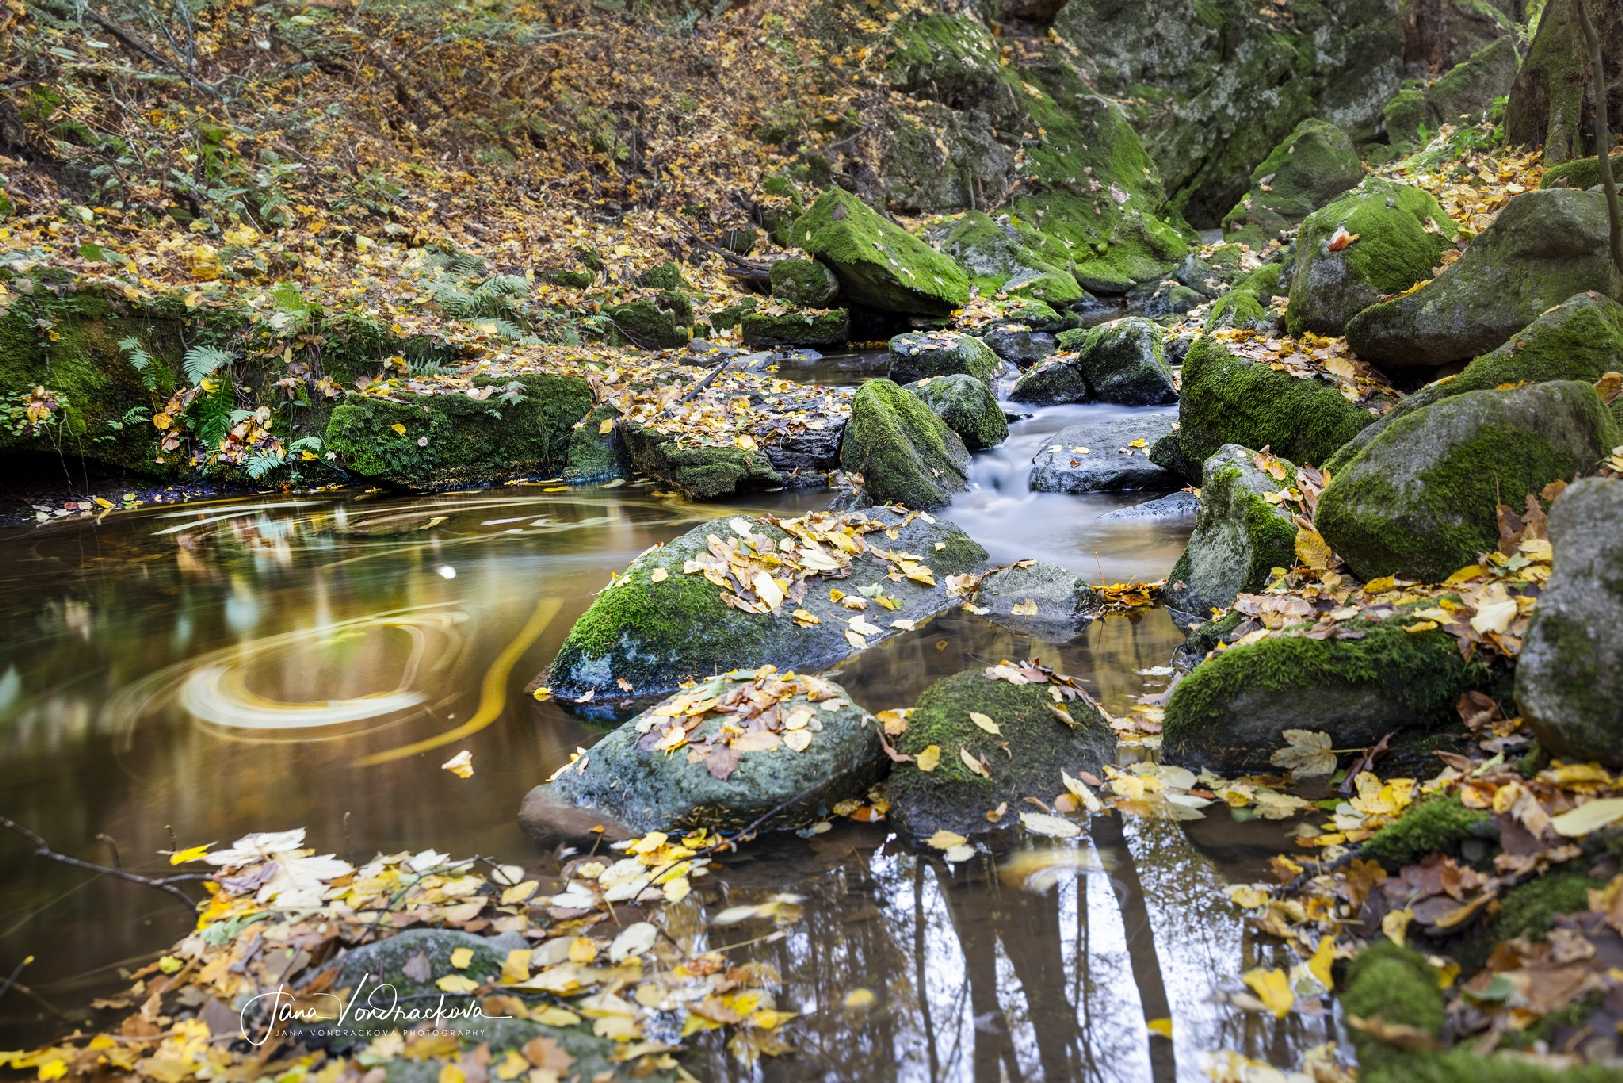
<point x="178" y="675"/>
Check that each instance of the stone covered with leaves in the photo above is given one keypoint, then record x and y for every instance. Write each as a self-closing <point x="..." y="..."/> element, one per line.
<point x="917" y="355"/>
<point x="904" y="452"/>
<point x="1239" y="535"/>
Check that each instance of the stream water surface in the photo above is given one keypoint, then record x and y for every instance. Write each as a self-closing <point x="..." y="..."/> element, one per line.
<point x="177" y="675"/>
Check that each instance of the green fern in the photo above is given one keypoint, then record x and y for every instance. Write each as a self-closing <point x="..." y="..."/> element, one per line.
<point x="141" y="361"/>
<point x="262" y="462"/>
<point x="203" y="361"/>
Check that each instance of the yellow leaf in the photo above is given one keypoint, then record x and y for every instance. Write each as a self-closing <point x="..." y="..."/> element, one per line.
<point x="859" y="999"/>
<point x="975" y="766"/>
<point x="1161" y="1026"/>
<point x="194" y="853"/>
<point x="516" y="967"/>
<point x="606" y="426"/>
<point x="945" y="840"/>
<point x="1589" y="816"/>
<point x="460" y="765"/>
<point x="519" y="892"/>
<point x="1247" y="896"/>
<point x="582" y="949"/>
<point x="1395" y="924"/>
<point x="1312" y="550"/>
<point x="1272" y="988"/>
<point x="985" y="723"/>
<point x="659" y="575"/>
<point x="928" y="759"/>
<point x="456" y="983"/>
<point x="399" y="428"/>
<point x="169" y="964"/>
<point x="1324" y="956"/>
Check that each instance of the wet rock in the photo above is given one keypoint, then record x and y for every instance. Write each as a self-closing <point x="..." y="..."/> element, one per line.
<point x="1056" y="379"/>
<point x="1106" y="454"/>
<point x="1401" y="234"/>
<point x="804" y="458"/>
<point x="629" y="779"/>
<point x="1018" y="344"/>
<point x="1569" y="682"/>
<point x="1543" y="248"/>
<point x="1238" y="537"/>
<point x="967" y="406"/>
<point x="916" y="355"/>
<point x="656" y="634"/>
<point x="1229" y="714"/>
<point x="523" y="426"/>
<point x="1037" y="598"/>
<point x="1420" y="499"/>
<point x="830" y="327"/>
<point x="1227" y="399"/>
<point x="1168" y="453"/>
<point x="1034" y="745"/>
<point x="1579" y="339"/>
<point x="1178" y="507"/>
<point x="698" y="471"/>
<point x="803" y="282"/>
<point x="1212" y="273"/>
<point x="879" y="264"/>
<point x="904" y="452"/>
<point x="1123" y="362"/>
<point x="1162" y="299"/>
<point x="1312" y="165"/>
<point x="595" y="455"/>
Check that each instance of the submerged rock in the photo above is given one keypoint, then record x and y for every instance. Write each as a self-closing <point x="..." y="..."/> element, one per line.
<point x="1042" y="599"/>
<point x="674" y="767"/>
<point x="1579" y="339"/>
<point x="830" y="327"/>
<point x="904" y="452"/>
<point x="917" y="355"/>
<point x="1313" y="164"/>
<point x="523" y="426"/>
<point x="1569" y="681"/>
<point x="1227" y="399"/>
<point x="967" y="406"/>
<point x="1420" y="499"/>
<point x="1123" y="361"/>
<point x="1238" y="537"/>
<point x="1110" y="453"/>
<point x="1544" y="247"/>
<point x="1230" y="713"/>
<point x="879" y="264"/>
<point x="803" y="282"/>
<point x="1034" y="744"/>
<point x="1178" y="507"/>
<point x="657" y="625"/>
<point x="1379" y="239"/>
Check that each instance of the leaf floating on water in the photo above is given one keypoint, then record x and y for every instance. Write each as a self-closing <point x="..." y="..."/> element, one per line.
<point x="1161" y="1026"/>
<point x="1272" y="988"/>
<point x="460" y="765"/>
<point x="1054" y="827"/>
<point x="945" y="840"/>
<point x="858" y="1000"/>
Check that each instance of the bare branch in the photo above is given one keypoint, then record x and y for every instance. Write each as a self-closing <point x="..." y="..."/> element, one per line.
<point x="165" y="884"/>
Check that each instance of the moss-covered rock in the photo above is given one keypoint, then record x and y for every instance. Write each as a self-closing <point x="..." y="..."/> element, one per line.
<point x="803" y="282"/>
<point x="1530" y="909"/>
<point x="1109" y="453"/>
<point x="732" y="315"/>
<point x="524" y="426"/>
<point x="1239" y="536"/>
<point x="1309" y="167"/>
<point x="1569" y="683"/>
<point x="917" y="355"/>
<point x="595" y="455"/>
<point x="1581" y="173"/>
<point x="967" y="406"/>
<point x="1543" y="248"/>
<point x="1579" y="339"/>
<point x="626" y="779"/>
<point x="1230" y="712"/>
<point x="1386" y="983"/>
<point x="656" y="634"/>
<point x="1437" y="825"/>
<point x="1405" y="118"/>
<point x="1226" y="399"/>
<point x="664" y="276"/>
<point x="1004" y="256"/>
<point x="1469" y="88"/>
<point x="659" y="322"/>
<point x="904" y="452"/>
<point x="1034" y="746"/>
<point x="952" y="59"/>
<point x="698" y="471"/>
<point x="1238" y="309"/>
<point x="1123" y="361"/>
<point x="879" y="264"/>
<point x="1018" y="343"/>
<point x="802" y="327"/>
<point x="1401" y="233"/>
<point x="1420" y="499"/>
<point x="1057" y="378"/>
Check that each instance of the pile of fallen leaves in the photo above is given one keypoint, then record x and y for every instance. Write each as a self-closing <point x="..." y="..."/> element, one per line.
<point x="756" y="711"/>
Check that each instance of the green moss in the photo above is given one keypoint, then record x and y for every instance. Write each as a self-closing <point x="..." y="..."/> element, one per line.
<point x="879" y="264"/>
<point x="811" y="328"/>
<point x="1394" y="985"/>
<point x="594" y="455"/>
<point x="949" y="57"/>
<point x="733" y="314"/>
<point x="1530" y="909"/>
<point x="1007" y="256"/>
<point x="967" y="406"/>
<point x="654" y="323"/>
<point x="1435" y="825"/>
<point x="1583" y="173"/>
<point x="1238" y="308"/>
<point x="917" y="355"/>
<point x="1227" y="400"/>
<point x="664" y="276"/>
<point x="1311" y="164"/>
<point x="803" y="282"/>
<point x="1464" y="1066"/>
<point x="698" y="471"/>
<point x="1406" y="118"/>
<point x="904" y="452"/>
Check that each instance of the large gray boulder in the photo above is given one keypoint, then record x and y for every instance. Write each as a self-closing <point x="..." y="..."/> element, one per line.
<point x="1421" y="499"/>
<point x="1543" y="248"/>
<point x="1569" y="680"/>
<point x="967" y="406"/>
<point x="1238" y="537"/>
<point x="658" y="623"/>
<point x="720" y="755"/>
<point x="1106" y="454"/>
<point x="917" y="355"/>
<point x="904" y="452"/>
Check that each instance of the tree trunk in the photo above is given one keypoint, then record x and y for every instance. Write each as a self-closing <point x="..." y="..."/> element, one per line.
<point x="1551" y="103"/>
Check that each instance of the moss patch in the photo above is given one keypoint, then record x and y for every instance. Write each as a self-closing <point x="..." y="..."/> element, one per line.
<point x="879" y="264"/>
<point x="1394" y="985"/>
<point x="904" y="452"/>
<point x="1436" y="825"/>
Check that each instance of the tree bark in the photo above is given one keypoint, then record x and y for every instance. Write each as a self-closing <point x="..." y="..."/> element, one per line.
<point x="1603" y="131"/>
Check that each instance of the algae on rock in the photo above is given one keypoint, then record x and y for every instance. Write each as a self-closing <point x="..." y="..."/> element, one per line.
<point x="904" y="452"/>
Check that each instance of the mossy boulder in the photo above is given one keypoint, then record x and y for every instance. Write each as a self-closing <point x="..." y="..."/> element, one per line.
<point x="1037" y="598"/>
<point x="1313" y="164"/>
<point x="1581" y="173"/>
<point x="1123" y="361"/>
<point x="1401" y="233"/>
<point x="879" y="264"/>
<point x="1003" y="255"/>
<point x="596" y="455"/>
<point x="522" y="425"/>
<point x="952" y="59"/>
<point x="801" y="327"/>
<point x="1579" y="339"/>
<point x="658" y="322"/>
<point x="1420" y="499"/>
<point x="1240" y="309"/>
<point x="1018" y="343"/>
<point x="803" y="282"/>
<point x="698" y="471"/>
<point x="1227" y="399"/>
<point x="967" y="406"/>
<point x="916" y="355"/>
<point x="1387" y="983"/>
<point x="1437" y="825"/>
<point x="1544" y="247"/>
<point x="1239" y="536"/>
<point x="1530" y="909"/>
<point x="1569" y="683"/>
<point x="1034" y="746"/>
<point x="1468" y="89"/>
<point x="1229" y="714"/>
<point x="628" y="782"/>
<point x="1406" y="118"/>
<point x="904" y="452"/>
<point x="656" y="634"/>
<point x="664" y="276"/>
<point x="1109" y="453"/>
<point x="1057" y="378"/>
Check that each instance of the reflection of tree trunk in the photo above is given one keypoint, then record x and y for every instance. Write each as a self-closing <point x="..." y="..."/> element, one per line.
<point x="1135" y="920"/>
<point x="994" y="1049"/>
<point x="1029" y="929"/>
<point x="921" y="979"/>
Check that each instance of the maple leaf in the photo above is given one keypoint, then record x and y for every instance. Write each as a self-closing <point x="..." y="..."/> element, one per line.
<point x="1307" y="754"/>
